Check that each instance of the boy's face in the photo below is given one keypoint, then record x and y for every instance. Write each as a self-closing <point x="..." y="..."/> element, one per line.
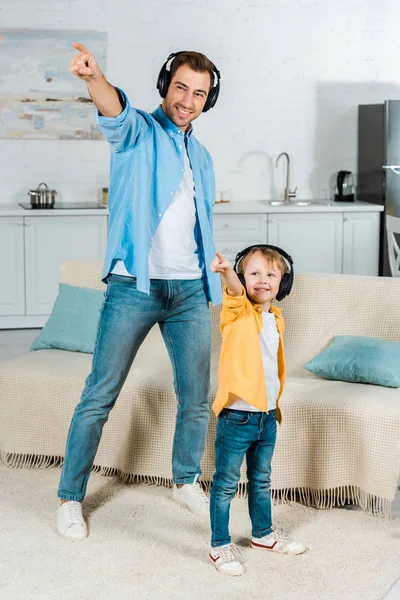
<point x="262" y="279"/>
<point x="186" y="96"/>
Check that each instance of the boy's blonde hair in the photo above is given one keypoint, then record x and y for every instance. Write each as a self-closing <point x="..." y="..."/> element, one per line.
<point x="271" y="255"/>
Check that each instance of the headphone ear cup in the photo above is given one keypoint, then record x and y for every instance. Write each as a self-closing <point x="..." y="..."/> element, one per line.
<point x="211" y="98"/>
<point x="285" y="285"/>
<point x="163" y="80"/>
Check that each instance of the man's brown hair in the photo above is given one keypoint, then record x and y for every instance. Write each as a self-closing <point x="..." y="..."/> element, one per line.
<point x="196" y="61"/>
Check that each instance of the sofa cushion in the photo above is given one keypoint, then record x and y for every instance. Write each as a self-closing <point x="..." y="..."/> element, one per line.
<point x="359" y="359"/>
<point x="72" y="324"/>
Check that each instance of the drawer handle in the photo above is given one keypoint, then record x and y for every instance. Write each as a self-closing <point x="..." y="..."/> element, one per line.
<point x="20" y="222"/>
<point x="226" y="226"/>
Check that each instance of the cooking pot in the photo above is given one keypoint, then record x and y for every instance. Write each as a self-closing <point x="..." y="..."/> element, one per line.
<point x="42" y="197"/>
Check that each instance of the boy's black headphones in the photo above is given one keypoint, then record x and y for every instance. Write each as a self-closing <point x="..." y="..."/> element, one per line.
<point x="164" y="78"/>
<point x="287" y="278"/>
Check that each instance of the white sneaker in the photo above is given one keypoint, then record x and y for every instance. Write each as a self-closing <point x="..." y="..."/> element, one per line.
<point x="227" y="559"/>
<point x="192" y="496"/>
<point x="70" y="522"/>
<point x="277" y="543"/>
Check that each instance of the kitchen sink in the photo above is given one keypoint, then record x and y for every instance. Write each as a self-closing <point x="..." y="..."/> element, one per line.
<point x="295" y="203"/>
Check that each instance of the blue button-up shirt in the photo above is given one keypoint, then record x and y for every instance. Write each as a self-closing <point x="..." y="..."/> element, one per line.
<point x="147" y="167"/>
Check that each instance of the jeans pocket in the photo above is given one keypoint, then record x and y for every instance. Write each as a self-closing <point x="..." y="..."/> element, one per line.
<point x="124" y="279"/>
<point x="237" y="417"/>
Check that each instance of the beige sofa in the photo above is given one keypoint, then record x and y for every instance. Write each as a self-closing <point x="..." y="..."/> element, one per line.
<point x="338" y="441"/>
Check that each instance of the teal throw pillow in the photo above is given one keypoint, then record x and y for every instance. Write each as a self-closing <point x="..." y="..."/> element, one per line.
<point x="359" y="359"/>
<point x="72" y="324"/>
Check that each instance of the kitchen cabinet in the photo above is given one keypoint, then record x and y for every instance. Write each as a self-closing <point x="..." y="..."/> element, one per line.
<point x="331" y="239"/>
<point x="361" y="243"/>
<point x="314" y="241"/>
<point x="12" y="286"/>
<point x="48" y="241"/>
<point x="31" y="249"/>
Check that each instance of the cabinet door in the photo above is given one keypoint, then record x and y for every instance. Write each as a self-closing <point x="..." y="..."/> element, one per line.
<point x="361" y="243"/>
<point x="314" y="240"/>
<point x="12" y="285"/>
<point x="48" y="241"/>
<point x="234" y="232"/>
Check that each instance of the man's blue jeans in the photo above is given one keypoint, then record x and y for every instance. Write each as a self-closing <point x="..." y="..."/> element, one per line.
<point x="181" y="309"/>
<point x="239" y="434"/>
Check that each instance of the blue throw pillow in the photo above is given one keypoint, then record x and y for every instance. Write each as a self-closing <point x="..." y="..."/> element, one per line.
<point x="72" y="324"/>
<point x="359" y="359"/>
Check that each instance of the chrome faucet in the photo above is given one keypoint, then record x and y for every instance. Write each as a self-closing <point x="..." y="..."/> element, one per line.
<point x="288" y="193"/>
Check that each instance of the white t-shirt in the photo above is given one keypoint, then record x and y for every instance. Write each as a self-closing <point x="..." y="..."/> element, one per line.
<point x="173" y="251"/>
<point x="269" y="342"/>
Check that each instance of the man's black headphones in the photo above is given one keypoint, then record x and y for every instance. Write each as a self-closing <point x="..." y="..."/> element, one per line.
<point x="164" y="78"/>
<point x="287" y="278"/>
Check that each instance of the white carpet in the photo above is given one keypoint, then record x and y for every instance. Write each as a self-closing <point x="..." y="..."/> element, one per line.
<point x="143" y="546"/>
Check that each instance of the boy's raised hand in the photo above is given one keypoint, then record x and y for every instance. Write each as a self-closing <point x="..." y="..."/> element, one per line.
<point x="84" y="64"/>
<point x="220" y="264"/>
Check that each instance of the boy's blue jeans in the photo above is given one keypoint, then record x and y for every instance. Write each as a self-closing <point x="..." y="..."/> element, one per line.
<point x="181" y="309"/>
<point x="239" y="434"/>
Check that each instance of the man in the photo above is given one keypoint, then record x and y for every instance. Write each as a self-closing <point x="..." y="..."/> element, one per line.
<point x="156" y="267"/>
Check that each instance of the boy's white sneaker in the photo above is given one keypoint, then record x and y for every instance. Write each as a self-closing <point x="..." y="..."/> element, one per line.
<point x="227" y="559"/>
<point x="192" y="496"/>
<point x="70" y="522"/>
<point x="277" y="543"/>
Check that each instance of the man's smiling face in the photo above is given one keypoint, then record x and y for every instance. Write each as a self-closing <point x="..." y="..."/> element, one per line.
<point x="186" y="96"/>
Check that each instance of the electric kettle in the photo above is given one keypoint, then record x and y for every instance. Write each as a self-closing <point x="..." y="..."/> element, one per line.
<point x="344" y="191"/>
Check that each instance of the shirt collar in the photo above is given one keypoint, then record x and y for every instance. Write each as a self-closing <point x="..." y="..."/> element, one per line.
<point x="274" y="309"/>
<point x="168" y="126"/>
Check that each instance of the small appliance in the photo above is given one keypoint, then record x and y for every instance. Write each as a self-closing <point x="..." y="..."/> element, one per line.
<point x="344" y="187"/>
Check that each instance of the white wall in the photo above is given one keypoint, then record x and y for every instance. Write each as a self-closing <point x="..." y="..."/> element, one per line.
<point x="293" y="75"/>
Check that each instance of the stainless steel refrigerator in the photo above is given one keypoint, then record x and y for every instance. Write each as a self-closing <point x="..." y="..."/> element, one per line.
<point x="378" y="169"/>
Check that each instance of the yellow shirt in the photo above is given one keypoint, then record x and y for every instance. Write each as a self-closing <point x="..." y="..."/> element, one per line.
<point x="241" y="371"/>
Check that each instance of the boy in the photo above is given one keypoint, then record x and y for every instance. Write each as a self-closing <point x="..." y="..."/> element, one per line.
<point x="251" y="378"/>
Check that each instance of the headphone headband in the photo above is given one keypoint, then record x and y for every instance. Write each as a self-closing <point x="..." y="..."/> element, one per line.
<point x="287" y="278"/>
<point x="164" y="79"/>
<point x="240" y="255"/>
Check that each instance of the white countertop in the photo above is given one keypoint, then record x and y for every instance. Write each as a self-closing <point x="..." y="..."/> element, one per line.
<point x="245" y="207"/>
<point x="327" y="206"/>
<point x="14" y="210"/>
